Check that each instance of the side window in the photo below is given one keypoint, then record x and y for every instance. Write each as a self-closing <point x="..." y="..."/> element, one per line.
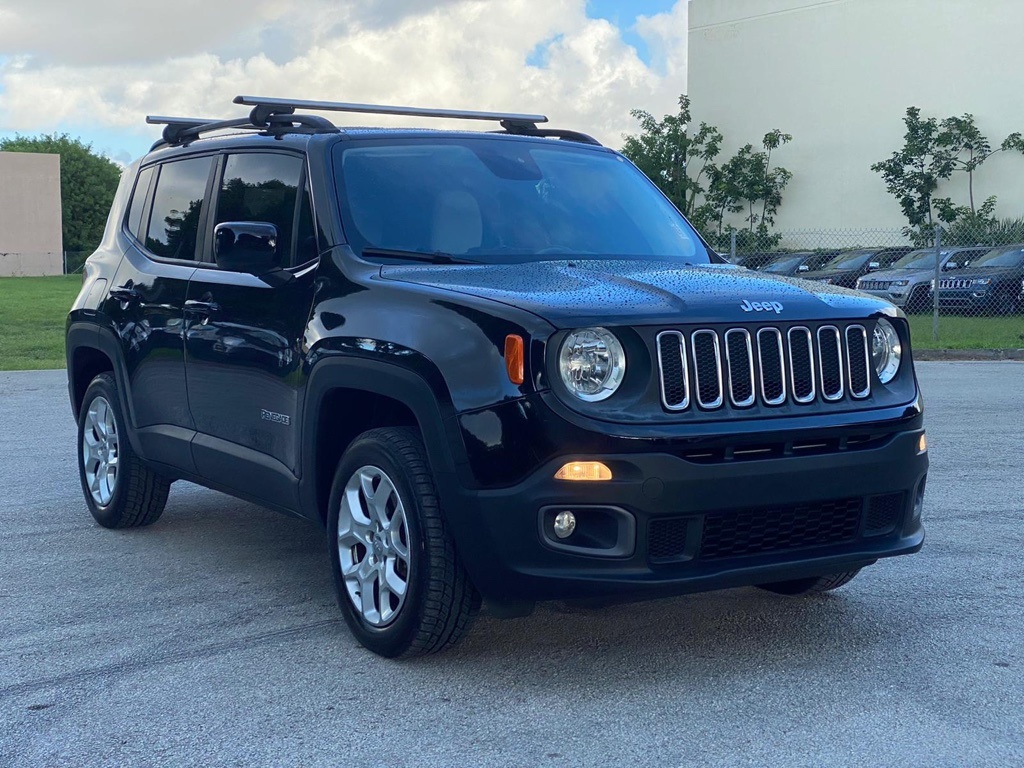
<point x="177" y="206"/>
<point x="139" y="202"/>
<point x="262" y="187"/>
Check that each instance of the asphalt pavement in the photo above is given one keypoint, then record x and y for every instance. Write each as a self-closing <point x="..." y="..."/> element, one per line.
<point x="212" y="638"/>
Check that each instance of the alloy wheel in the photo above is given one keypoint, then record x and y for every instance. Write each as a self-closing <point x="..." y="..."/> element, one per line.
<point x="100" y="451"/>
<point x="373" y="546"/>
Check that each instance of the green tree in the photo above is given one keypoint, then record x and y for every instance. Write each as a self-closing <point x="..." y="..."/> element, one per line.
<point x="684" y="166"/>
<point x="88" y="182"/>
<point x="932" y="152"/>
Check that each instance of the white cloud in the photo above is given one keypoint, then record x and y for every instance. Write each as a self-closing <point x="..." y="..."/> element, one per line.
<point x="457" y="53"/>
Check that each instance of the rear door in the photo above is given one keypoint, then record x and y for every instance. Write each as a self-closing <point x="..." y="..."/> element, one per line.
<point x="146" y="302"/>
<point x="244" y="333"/>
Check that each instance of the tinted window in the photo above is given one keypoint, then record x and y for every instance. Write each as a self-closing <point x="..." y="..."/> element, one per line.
<point x="139" y="202"/>
<point x="1001" y="257"/>
<point x="507" y="200"/>
<point x="262" y="187"/>
<point x="850" y="260"/>
<point x="177" y="206"/>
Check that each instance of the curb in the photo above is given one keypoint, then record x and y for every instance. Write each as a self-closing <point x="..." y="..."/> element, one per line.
<point x="968" y="354"/>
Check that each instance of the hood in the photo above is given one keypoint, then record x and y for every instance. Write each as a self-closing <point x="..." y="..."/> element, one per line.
<point x="821" y="274"/>
<point x="620" y="292"/>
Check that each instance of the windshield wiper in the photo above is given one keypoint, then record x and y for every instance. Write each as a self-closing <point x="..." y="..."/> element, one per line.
<point x="437" y="257"/>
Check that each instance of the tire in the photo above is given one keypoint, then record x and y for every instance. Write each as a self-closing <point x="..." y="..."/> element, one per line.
<point x="124" y="493"/>
<point x="367" y="535"/>
<point x="810" y="586"/>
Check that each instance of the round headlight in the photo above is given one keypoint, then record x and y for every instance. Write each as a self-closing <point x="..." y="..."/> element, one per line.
<point x="886" y="350"/>
<point x="592" y="363"/>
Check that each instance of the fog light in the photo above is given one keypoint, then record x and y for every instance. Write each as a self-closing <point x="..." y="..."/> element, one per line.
<point x="565" y="524"/>
<point x="922" y="444"/>
<point x="584" y="470"/>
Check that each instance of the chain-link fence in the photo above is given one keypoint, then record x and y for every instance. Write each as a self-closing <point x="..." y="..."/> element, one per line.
<point x="959" y="290"/>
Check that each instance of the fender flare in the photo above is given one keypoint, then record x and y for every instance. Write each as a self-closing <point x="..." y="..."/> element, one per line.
<point x="89" y="335"/>
<point x="440" y="434"/>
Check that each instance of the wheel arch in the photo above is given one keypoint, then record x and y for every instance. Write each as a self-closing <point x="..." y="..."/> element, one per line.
<point x="346" y="397"/>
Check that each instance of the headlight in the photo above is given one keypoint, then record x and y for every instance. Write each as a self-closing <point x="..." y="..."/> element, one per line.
<point x="981" y="281"/>
<point x="900" y="283"/>
<point x="592" y="363"/>
<point x="886" y="350"/>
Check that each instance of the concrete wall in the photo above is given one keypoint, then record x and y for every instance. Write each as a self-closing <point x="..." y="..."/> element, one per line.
<point x="30" y="214"/>
<point x="839" y="75"/>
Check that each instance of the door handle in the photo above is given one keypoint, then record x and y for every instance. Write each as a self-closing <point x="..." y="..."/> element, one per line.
<point x="125" y="293"/>
<point x="202" y="307"/>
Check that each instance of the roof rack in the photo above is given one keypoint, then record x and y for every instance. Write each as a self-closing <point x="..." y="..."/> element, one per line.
<point x="278" y="116"/>
<point x="266" y="106"/>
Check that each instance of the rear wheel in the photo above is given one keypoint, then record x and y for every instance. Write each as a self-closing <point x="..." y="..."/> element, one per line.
<point x="811" y="585"/>
<point x="398" y="578"/>
<point x="120" y="490"/>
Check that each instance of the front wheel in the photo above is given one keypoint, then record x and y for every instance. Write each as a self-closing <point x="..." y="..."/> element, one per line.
<point x="397" y="576"/>
<point x="810" y="586"/>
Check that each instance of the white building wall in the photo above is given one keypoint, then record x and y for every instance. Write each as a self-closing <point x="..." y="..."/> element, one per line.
<point x="839" y="74"/>
<point x="30" y="214"/>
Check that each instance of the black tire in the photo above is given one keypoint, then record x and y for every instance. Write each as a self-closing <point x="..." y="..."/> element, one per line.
<point x="440" y="601"/>
<point x="139" y="494"/>
<point x="810" y="586"/>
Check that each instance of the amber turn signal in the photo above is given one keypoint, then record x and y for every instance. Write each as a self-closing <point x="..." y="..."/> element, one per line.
<point x="922" y="444"/>
<point x="584" y="470"/>
<point x="514" y="358"/>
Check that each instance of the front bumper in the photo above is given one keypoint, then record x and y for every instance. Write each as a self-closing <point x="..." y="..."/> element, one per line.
<point x="677" y="525"/>
<point x="897" y="296"/>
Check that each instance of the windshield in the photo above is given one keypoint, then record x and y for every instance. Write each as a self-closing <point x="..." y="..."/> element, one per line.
<point x="784" y="264"/>
<point x="1001" y="257"/>
<point x="494" y="200"/>
<point x="849" y="260"/>
<point x="922" y="259"/>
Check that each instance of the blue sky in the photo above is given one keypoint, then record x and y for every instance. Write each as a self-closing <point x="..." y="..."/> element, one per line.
<point x="548" y="58"/>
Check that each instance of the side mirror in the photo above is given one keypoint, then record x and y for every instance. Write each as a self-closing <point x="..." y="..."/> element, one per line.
<point x="872" y="265"/>
<point x="245" y="246"/>
<point x="803" y="268"/>
<point x="949" y="265"/>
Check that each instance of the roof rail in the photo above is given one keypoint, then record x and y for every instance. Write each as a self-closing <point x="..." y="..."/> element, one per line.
<point x="262" y="107"/>
<point x="178" y="130"/>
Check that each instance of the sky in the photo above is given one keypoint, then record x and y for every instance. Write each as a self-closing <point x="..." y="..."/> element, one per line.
<point x="96" y="69"/>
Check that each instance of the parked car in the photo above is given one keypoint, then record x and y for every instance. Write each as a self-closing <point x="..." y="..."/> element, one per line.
<point x="991" y="285"/>
<point x="788" y="264"/>
<point x="907" y="283"/>
<point x="847" y="267"/>
<point x="490" y="366"/>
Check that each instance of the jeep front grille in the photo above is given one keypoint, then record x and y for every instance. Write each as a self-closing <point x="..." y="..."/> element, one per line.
<point x="874" y="285"/>
<point x="951" y="282"/>
<point x="742" y="366"/>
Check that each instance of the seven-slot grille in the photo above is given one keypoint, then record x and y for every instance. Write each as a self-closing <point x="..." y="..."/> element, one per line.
<point x="708" y="367"/>
<point x="955" y="282"/>
<point x="874" y="285"/>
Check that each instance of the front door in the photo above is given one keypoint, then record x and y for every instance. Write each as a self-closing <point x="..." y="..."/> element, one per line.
<point x="243" y="334"/>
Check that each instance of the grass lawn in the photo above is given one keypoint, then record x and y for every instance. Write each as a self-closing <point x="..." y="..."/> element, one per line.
<point x="955" y="332"/>
<point x="32" y="315"/>
<point x="33" y="310"/>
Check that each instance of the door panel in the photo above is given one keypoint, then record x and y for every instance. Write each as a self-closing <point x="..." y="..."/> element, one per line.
<point x="244" y="360"/>
<point x="244" y="334"/>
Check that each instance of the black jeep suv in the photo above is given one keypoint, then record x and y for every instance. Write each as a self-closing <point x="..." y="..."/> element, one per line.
<point x="491" y="365"/>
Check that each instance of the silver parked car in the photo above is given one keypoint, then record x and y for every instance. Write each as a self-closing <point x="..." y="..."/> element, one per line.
<point x="907" y="283"/>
